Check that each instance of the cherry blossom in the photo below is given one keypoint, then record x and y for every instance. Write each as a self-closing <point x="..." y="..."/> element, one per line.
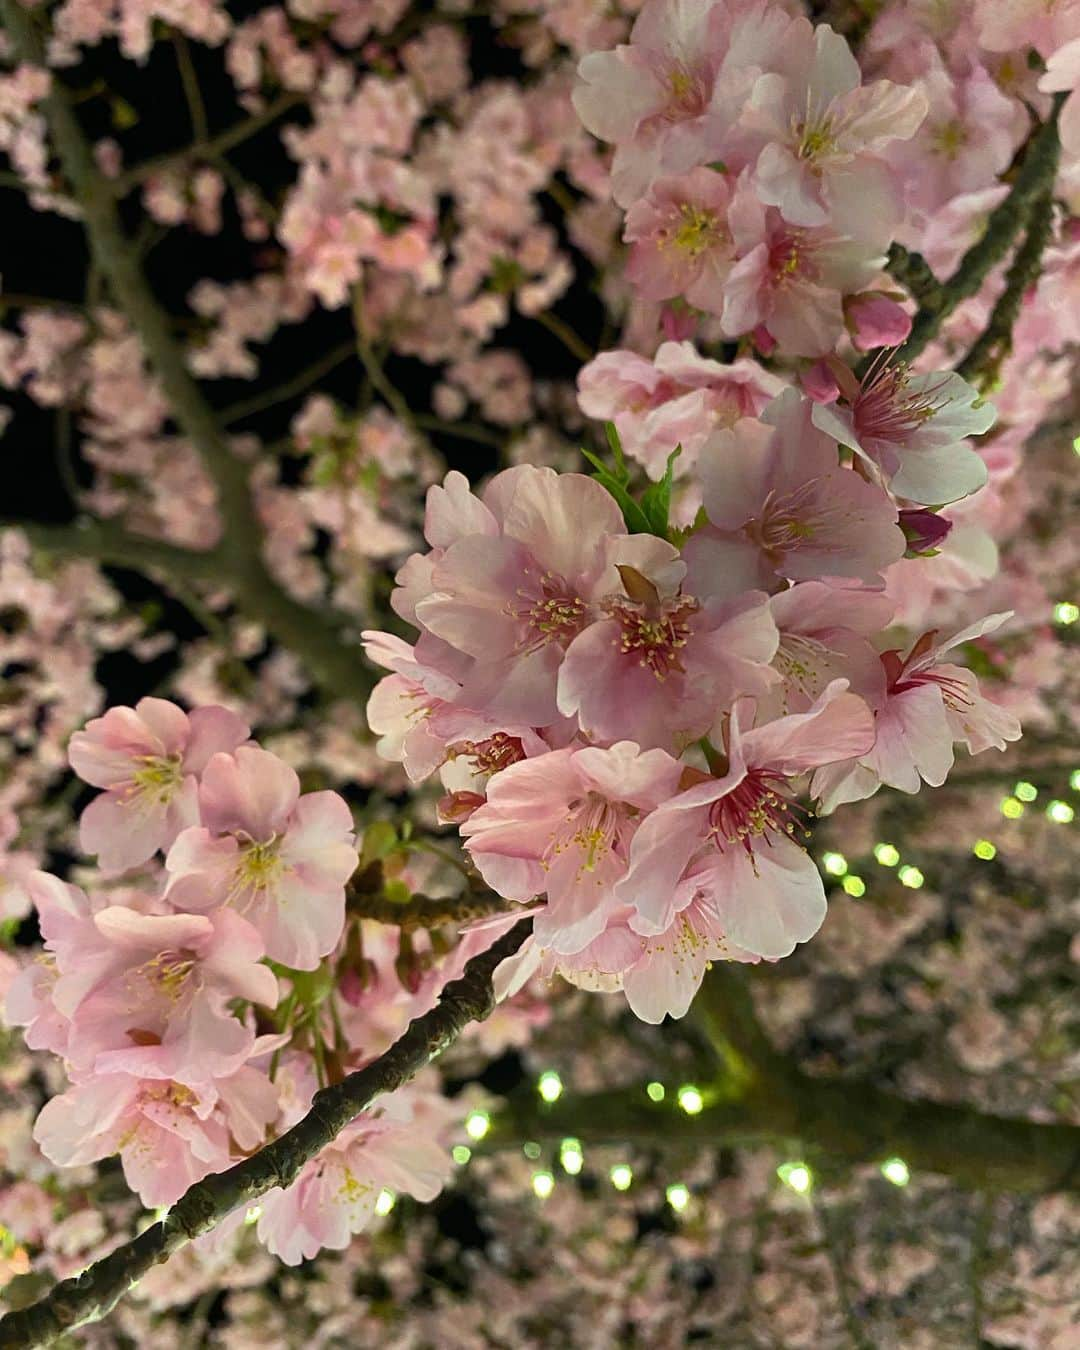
<point x="148" y="759"/>
<point x="280" y="859"/>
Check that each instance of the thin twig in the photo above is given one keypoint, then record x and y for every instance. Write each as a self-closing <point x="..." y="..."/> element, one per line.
<point x="91" y="1295"/>
<point x="200" y="128"/>
<point x="299" y="384"/>
<point x="566" y="335"/>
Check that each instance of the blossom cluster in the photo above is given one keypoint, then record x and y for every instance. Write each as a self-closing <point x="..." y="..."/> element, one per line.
<point x="164" y="995"/>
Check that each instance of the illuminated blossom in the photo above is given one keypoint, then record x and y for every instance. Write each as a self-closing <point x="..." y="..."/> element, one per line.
<point x="280" y="859"/>
<point x="148" y="759"/>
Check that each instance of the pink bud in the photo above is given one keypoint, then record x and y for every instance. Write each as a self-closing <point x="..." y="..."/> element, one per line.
<point x="820" y="383"/>
<point x="874" y="319"/>
<point x="923" y="530"/>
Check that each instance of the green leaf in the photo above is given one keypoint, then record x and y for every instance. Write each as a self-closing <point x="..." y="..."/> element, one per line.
<point x="612" y="434"/>
<point x="380" y="838"/>
<point x="656" y="499"/>
<point x="636" y="520"/>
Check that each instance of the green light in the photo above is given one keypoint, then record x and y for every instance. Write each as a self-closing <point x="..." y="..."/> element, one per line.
<point x="461" y="1154"/>
<point x="886" y="854"/>
<point x="1066" y="613"/>
<point x="1061" y="813"/>
<point x="622" y="1176"/>
<point x="531" y="1149"/>
<point x="835" y="864"/>
<point x="1074" y="780"/>
<point x="911" y="877"/>
<point x="543" y="1183"/>
<point x="477" y="1124"/>
<point x="690" y="1099"/>
<point x="796" y="1175"/>
<point x="571" y="1156"/>
<point x="549" y="1086"/>
<point x="896" y="1171"/>
<point x="1027" y="792"/>
<point x="1076" y="445"/>
<point x="1011" y="809"/>
<point x="984" y="849"/>
<point x="655" y="1092"/>
<point x="854" y="885"/>
<point x="385" y="1203"/>
<point x="678" y="1196"/>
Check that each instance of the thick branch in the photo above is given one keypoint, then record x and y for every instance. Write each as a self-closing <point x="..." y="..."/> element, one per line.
<point x="1035" y="179"/>
<point x="91" y="1295"/>
<point x="424" y="911"/>
<point x="315" y="639"/>
<point x="848" y="1120"/>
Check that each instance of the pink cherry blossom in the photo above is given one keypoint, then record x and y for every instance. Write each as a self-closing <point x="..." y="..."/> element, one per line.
<point x="662" y="661"/>
<point x="680" y="242"/>
<point x="1012" y="25"/>
<point x="730" y="837"/>
<point x="913" y="429"/>
<point x="677" y="398"/>
<point x="822" y="131"/>
<point x="779" y="505"/>
<point x="159" y="1006"/>
<point x="560" y="824"/>
<point x="513" y="602"/>
<point x="168" y="1135"/>
<point x="790" y="280"/>
<point x="875" y="319"/>
<point x="279" y="858"/>
<point x="929" y="705"/>
<point x="148" y="759"/>
<point x="394" y="1145"/>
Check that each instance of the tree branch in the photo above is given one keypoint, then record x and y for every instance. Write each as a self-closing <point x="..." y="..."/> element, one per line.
<point x="316" y="639"/>
<point x="91" y="1295"/>
<point x="1036" y="178"/>
<point x="424" y="911"/>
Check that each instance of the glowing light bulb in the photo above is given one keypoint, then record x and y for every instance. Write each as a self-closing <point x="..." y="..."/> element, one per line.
<point x="690" y="1099"/>
<point x="678" y="1196"/>
<point x="461" y="1154"/>
<point x="911" y="877"/>
<point x="385" y="1203"/>
<point x="549" y="1085"/>
<point x="543" y="1183"/>
<point x="1074" y="780"/>
<point x="655" y="1092"/>
<point x="896" y="1170"/>
<point x="1011" y="809"/>
<point x="796" y="1175"/>
<point x="531" y="1149"/>
<point x="622" y="1176"/>
<point x="834" y="863"/>
<point x="1027" y="792"/>
<point x="854" y="885"/>
<point x="477" y="1124"/>
<point x="984" y="849"/>
<point x="888" y="855"/>
<point x="571" y="1156"/>
<point x="1066" y="613"/>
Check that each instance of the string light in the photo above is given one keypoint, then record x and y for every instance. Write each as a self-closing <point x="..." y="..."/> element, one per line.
<point x="690" y="1099"/>
<point x="1066" y="613"/>
<point x="896" y="1170"/>
<point x="543" y="1183"/>
<point x="1074" y="780"/>
<point x="385" y="1203"/>
<point x="835" y="864"/>
<point x="911" y="877"/>
<point x="854" y="885"/>
<point x="477" y="1124"/>
<point x="678" y="1196"/>
<point x="797" y="1176"/>
<point x="887" y="854"/>
<point x="1027" y="792"/>
<point x="1011" y="809"/>
<point x="622" y="1176"/>
<point x="984" y="849"/>
<point x="1061" y="813"/>
<point x="461" y="1154"/>
<point x="655" y="1092"/>
<point x="571" y="1156"/>
<point x="531" y="1149"/>
<point x="549" y="1086"/>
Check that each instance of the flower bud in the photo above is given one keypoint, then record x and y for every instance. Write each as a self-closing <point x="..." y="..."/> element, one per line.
<point x="924" y="531"/>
